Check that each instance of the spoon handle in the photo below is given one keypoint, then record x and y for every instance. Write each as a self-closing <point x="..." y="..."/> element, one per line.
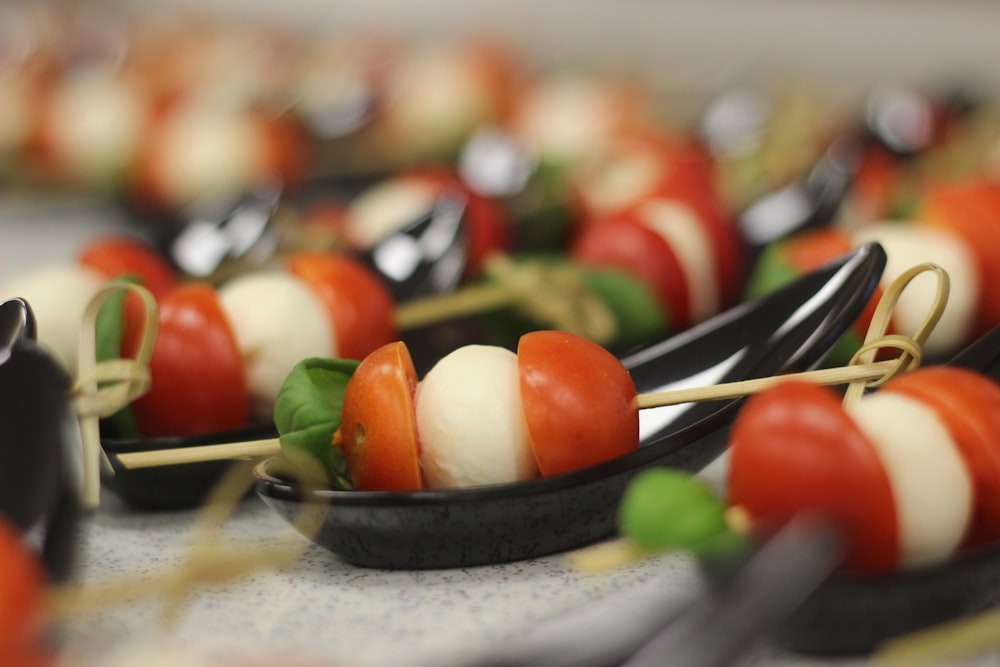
<point x="719" y="628"/>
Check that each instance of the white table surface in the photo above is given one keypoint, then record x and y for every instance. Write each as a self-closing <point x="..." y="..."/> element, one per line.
<point x="319" y="609"/>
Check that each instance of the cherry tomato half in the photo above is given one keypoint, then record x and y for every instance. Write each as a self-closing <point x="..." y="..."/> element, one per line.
<point x="118" y="256"/>
<point x="621" y="242"/>
<point x="378" y="432"/>
<point x="794" y="450"/>
<point x="579" y="402"/>
<point x="198" y="380"/>
<point x="361" y="309"/>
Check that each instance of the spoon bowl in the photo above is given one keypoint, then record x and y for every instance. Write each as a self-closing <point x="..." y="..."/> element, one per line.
<point x="787" y="331"/>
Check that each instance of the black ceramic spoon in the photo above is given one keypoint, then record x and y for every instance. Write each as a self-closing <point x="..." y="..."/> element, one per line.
<point x="17" y="324"/>
<point x="790" y="330"/>
<point x="39" y="441"/>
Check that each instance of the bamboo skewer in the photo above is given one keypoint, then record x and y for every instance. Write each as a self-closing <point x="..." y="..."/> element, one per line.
<point x="861" y="372"/>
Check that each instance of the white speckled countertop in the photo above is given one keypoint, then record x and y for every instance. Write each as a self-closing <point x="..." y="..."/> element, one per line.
<point x="319" y="610"/>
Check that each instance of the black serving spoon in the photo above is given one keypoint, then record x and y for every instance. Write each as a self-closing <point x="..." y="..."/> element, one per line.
<point x="39" y="441"/>
<point x="17" y="325"/>
<point x="787" y="331"/>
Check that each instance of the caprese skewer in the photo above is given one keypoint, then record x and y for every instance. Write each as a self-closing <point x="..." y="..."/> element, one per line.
<point x="909" y="475"/>
<point x="942" y="233"/>
<point x="59" y="294"/>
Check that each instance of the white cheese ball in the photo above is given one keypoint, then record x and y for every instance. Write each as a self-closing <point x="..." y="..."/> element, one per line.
<point x="470" y="422"/>
<point x="907" y="245"/>
<point x="58" y="296"/>
<point x="928" y="476"/>
<point x="97" y="122"/>
<point x="278" y="322"/>
<point x="206" y="151"/>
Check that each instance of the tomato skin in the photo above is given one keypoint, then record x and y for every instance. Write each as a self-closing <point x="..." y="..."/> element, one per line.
<point x="579" y="402"/>
<point x="198" y="379"/>
<point x="622" y="242"/>
<point x="794" y="450"/>
<point x="969" y="406"/>
<point x="378" y="430"/>
<point x="360" y="307"/>
<point x="21" y="594"/>
<point x="971" y="210"/>
<point x="118" y="256"/>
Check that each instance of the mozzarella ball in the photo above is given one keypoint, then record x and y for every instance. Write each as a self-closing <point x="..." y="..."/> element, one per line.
<point x="96" y="123"/>
<point x="58" y="297"/>
<point x="908" y="245"/>
<point x="688" y="237"/>
<point x="470" y="422"/>
<point x="278" y="322"/>
<point x="206" y="151"/>
<point x="929" y="479"/>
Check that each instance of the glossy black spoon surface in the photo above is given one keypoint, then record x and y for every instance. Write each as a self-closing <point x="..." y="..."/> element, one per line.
<point x="17" y="325"/>
<point x="39" y="441"/>
<point x="789" y="330"/>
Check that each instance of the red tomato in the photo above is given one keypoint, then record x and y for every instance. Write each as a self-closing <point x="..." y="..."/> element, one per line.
<point x="119" y="256"/>
<point x="622" y="242"/>
<point x="21" y="593"/>
<point x="794" y="450"/>
<point x="198" y="380"/>
<point x="971" y="209"/>
<point x="360" y="307"/>
<point x="579" y="401"/>
<point x="378" y="431"/>
<point x="675" y="169"/>
<point x="969" y="406"/>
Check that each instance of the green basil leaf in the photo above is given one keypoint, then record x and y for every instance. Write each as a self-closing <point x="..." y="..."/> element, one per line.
<point x="665" y="509"/>
<point x="634" y="306"/>
<point x="308" y="412"/>
<point x="771" y="272"/>
<point x="107" y="345"/>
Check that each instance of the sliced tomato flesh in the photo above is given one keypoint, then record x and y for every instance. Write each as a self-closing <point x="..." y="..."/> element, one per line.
<point x="378" y="430"/>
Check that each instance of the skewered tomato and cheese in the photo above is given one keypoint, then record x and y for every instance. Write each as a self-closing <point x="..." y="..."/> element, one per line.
<point x="221" y="355"/>
<point x="435" y="95"/>
<point x="486" y="415"/>
<point x="692" y="260"/>
<point x="906" y="244"/>
<point x="197" y="149"/>
<point x="90" y="128"/>
<point x="568" y="118"/>
<point x="59" y="294"/>
<point x="909" y="474"/>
